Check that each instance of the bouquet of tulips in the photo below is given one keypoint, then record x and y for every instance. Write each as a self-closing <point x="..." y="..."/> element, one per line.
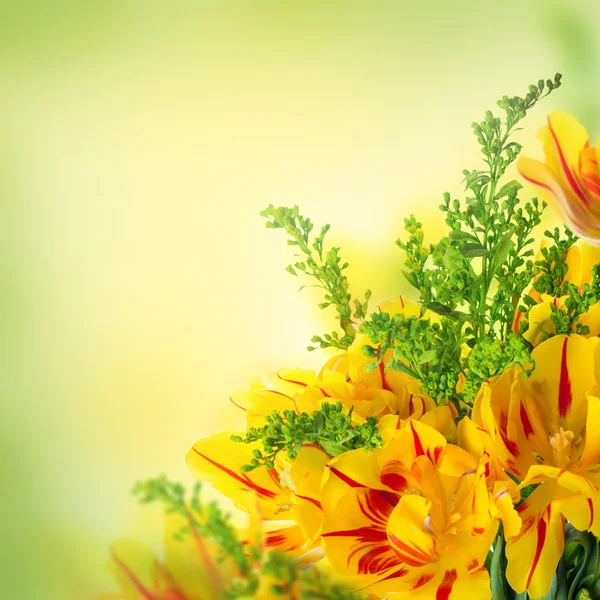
<point x="449" y="448"/>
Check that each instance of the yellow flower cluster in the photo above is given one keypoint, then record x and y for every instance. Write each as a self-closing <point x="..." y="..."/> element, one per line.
<point x="416" y="517"/>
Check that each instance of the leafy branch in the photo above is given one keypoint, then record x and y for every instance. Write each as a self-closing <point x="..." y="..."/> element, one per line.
<point x="491" y="357"/>
<point x="203" y="520"/>
<point x="326" y="268"/>
<point x="255" y="563"/>
<point x="550" y="273"/>
<point x="429" y="352"/>
<point x="474" y="276"/>
<point x="330" y="428"/>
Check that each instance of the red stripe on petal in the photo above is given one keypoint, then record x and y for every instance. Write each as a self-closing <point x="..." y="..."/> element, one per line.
<point x="567" y="171"/>
<point x="412" y="556"/>
<point x="527" y="428"/>
<point x="565" y="394"/>
<point x="538" y="183"/>
<point x="422" y="581"/>
<point x="362" y="534"/>
<point x="244" y="480"/>
<point x="511" y="446"/>
<point x="347" y="480"/>
<point x="592" y="183"/>
<point x="375" y="560"/>
<point x="445" y="589"/>
<point x="301" y="383"/>
<point x="417" y="441"/>
<point x="238" y="405"/>
<point x="384" y="383"/>
<point x="391" y="477"/>
<point x="312" y="500"/>
<point x="541" y="538"/>
<point x="591" y="505"/>
<point x="144" y="592"/>
<point x="472" y="566"/>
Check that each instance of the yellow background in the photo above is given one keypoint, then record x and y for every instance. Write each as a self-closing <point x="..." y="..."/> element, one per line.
<point x="139" y="141"/>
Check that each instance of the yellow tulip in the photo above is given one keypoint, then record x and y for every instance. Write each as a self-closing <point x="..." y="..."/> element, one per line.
<point x="410" y="518"/>
<point x="570" y="176"/>
<point x="580" y="259"/>
<point x="189" y="572"/>
<point x="380" y="392"/>
<point x="544" y="430"/>
<point x="344" y="378"/>
<point x="288" y="496"/>
<point x="279" y="393"/>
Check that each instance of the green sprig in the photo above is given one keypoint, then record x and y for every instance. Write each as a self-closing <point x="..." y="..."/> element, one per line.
<point x="201" y="520"/>
<point x="326" y="268"/>
<point x="330" y="428"/>
<point x="491" y="357"/>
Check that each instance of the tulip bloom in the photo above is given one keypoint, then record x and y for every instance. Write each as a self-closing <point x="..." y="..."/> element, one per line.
<point x="410" y="518"/>
<point x="580" y="259"/>
<point x="570" y="177"/>
<point x="190" y="570"/>
<point x="544" y="430"/>
<point x="345" y="379"/>
<point x="194" y="568"/>
<point x="288" y="493"/>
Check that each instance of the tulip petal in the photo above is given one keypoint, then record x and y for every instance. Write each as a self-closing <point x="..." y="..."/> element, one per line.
<point x="591" y="453"/>
<point x="354" y="469"/>
<point x="191" y="561"/>
<point x="139" y="574"/>
<point x="407" y="531"/>
<point x="565" y="369"/>
<point x="534" y="553"/>
<point x="354" y="536"/>
<point x="219" y="460"/>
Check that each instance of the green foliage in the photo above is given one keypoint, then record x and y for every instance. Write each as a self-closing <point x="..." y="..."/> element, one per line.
<point x="330" y="428"/>
<point x="203" y="520"/>
<point x="326" y="268"/>
<point x="309" y="583"/>
<point x="475" y="276"/>
<point x="428" y="351"/>
<point x="582" y="561"/>
<point x="491" y="357"/>
<point x="551" y="269"/>
<point x="253" y="561"/>
<point x="550" y="273"/>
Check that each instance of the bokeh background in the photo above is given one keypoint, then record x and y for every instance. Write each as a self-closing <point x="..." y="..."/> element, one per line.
<point x="139" y="140"/>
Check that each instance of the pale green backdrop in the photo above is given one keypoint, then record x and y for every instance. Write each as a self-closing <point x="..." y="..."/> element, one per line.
<point x="139" y="140"/>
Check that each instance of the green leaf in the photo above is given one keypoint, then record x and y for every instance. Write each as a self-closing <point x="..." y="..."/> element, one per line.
<point x="398" y="365"/>
<point x="411" y="278"/>
<point x="505" y="245"/>
<point x="446" y="311"/>
<point x="438" y="308"/>
<point x="428" y="356"/>
<point x="473" y="250"/>
<point x="453" y="259"/>
<point x="509" y="188"/>
<point x="498" y="570"/>
<point x="476" y="177"/>
<point x="586" y="566"/>
<point x="456" y="235"/>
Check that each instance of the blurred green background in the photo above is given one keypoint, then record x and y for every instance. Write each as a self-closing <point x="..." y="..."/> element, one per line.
<point x="139" y="141"/>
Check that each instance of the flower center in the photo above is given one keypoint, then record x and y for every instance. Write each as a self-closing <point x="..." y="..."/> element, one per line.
<point x="563" y="445"/>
